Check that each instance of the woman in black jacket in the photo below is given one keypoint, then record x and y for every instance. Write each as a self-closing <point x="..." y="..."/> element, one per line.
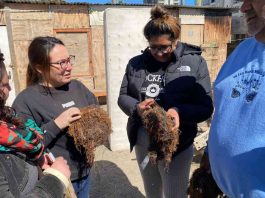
<point x="175" y="76"/>
<point x="21" y="148"/>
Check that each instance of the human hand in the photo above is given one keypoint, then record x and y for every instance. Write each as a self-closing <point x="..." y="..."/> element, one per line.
<point x="67" y="117"/>
<point x="60" y="164"/>
<point x="144" y="105"/>
<point x="45" y="161"/>
<point x="175" y="116"/>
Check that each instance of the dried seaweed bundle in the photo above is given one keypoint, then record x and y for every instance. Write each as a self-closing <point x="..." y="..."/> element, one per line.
<point x="163" y="140"/>
<point x="90" y="131"/>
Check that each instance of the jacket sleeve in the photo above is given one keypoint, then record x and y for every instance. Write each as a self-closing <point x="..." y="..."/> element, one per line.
<point x="126" y="102"/>
<point x="202" y="108"/>
<point x="47" y="187"/>
<point x="4" y="186"/>
<point x="25" y="112"/>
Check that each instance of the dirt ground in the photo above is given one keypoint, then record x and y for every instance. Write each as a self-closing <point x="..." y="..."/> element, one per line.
<point x="116" y="175"/>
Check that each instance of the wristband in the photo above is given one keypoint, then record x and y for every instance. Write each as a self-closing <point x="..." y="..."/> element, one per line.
<point x="57" y="174"/>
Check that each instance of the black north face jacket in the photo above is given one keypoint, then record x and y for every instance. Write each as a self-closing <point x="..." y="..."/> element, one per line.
<point x="187" y="89"/>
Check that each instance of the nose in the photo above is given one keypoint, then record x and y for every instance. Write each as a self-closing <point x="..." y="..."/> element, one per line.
<point x="159" y="53"/>
<point x="69" y="66"/>
<point x="246" y="6"/>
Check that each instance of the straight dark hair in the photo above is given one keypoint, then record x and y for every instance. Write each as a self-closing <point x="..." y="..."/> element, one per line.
<point x="39" y="59"/>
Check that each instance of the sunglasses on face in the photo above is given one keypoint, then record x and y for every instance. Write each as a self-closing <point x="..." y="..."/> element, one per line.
<point x="160" y="48"/>
<point x="65" y="62"/>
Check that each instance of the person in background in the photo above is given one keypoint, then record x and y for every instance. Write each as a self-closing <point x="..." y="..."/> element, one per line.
<point x="21" y="146"/>
<point x="175" y="75"/>
<point x="52" y="99"/>
<point x="236" y="144"/>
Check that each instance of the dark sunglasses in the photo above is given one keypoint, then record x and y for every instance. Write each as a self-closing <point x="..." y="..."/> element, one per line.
<point x="160" y="48"/>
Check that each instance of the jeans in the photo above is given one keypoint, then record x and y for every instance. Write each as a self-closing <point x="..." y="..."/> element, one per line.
<point x="82" y="187"/>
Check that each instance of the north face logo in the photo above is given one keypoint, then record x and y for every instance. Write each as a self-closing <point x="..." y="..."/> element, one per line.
<point x="184" y="68"/>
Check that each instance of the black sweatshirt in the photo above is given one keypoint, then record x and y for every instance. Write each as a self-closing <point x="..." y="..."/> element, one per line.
<point x="43" y="106"/>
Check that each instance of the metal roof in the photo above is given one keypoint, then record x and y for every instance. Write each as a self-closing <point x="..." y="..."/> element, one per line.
<point x="35" y="1"/>
<point x="62" y="2"/>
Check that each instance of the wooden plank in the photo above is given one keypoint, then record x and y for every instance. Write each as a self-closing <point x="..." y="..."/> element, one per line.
<point x="99" y="93"/>
<point x="217" y="29"/>
<point x="217" y="33"/>
<point x="70" y="16"/>
<point x="20" y="30"/>
<point x="99" y="57"/>
<point x="192" y="34"/>
<point x="210" y="54"/>
<point x="21" y="49"/>
<point x="2" y="18"/>
<point x="80" y="46"/>
<point x="27" y="7"/>
<point x="26" y="28"/>
<point x="222" y="54"/>
<point x="215" y="58"/>
<point x="30" y="15"/>
<point x="191" y="16"/>
<point x="40" y="28"/>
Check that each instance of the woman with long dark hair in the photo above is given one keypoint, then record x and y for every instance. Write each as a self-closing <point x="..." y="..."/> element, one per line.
<point x="174" y="75"/>
<point x="21" y="147"/>
<point x="52" y="99"/>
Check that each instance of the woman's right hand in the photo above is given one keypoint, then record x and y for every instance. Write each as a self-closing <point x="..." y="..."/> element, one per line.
<point x="144" y="105"/>
<point x="60" y="164"/>
<point x="67" y="117"/>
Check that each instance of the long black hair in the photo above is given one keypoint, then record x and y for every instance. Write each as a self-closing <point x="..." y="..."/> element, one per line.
<point x="7" y="114"/>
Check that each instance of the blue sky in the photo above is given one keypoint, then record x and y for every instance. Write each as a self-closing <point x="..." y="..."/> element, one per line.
<point x="187" y="2"/>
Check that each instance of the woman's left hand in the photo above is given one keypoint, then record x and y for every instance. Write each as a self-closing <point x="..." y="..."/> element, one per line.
<point x="174" y="114"/>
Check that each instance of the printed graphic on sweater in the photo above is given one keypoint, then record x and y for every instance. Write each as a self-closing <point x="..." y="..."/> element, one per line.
<point x="247" y="84"/>
<point x="153" y="86"/>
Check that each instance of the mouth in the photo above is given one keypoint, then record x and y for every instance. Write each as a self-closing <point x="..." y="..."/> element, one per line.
<point x="67" y="75"/>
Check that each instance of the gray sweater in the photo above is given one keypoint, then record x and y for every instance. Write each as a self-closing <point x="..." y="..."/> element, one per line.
<point x="43" y="106"/>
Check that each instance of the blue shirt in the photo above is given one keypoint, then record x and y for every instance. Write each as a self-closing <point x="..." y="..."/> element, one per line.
<point x="237" y="137"/>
